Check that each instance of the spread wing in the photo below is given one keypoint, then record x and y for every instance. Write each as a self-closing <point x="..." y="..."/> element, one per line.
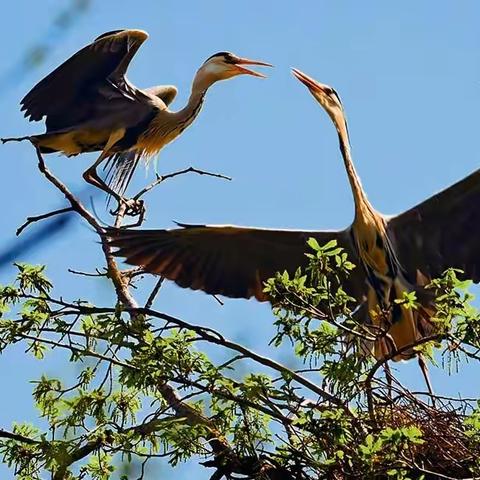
<point x="226" y="260"/>
<point x="441" y="232"/>
<point x="65" y="95"/>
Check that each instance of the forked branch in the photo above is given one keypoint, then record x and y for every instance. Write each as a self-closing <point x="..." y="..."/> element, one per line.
<point x="121" y="284"/>
<point x="161" y="178"/>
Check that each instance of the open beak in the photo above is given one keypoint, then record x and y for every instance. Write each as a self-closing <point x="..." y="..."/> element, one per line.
<point x="239" y="62"/>
<point x="309" y="82"/>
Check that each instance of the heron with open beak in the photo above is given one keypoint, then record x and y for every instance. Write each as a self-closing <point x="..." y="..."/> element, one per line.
<point x="393" y="254"/>
<point x="89" y="105"/>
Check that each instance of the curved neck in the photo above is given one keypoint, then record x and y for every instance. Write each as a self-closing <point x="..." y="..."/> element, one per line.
<point x="202" y="81"/>
<point x="362" y="205"/>
<point x="168" y="125"/>
<point x="184" y="117"/>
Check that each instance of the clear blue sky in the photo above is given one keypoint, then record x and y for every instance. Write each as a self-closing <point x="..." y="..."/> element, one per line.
<point x="408" y="74"/>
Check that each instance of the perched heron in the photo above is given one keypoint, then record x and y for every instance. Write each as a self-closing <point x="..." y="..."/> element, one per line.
<point x="393" y="254"/>
<point x="90" y="105"/>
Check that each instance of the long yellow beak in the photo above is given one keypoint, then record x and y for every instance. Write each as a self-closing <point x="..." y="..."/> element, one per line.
<point x="246" y="61"/>
<point x="309" y="82"/>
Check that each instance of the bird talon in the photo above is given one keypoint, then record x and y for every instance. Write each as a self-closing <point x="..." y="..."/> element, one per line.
<point x="135" y="207"/>
<point x="129" y="207"/>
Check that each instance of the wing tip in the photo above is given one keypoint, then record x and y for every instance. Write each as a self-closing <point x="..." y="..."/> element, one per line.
<point x="139" y="34"/>
<point x="133" y="33"/>
<point x="187" y="225"/>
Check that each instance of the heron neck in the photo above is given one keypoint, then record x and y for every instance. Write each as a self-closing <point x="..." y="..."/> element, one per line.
<point x="185" y="116"/>
<point x="201" y="83"/>
<point x="362" y="205"/>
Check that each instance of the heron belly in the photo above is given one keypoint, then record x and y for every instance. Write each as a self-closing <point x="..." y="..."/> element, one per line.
<point x="396" y="325"/>
<point x="75" y="142"/>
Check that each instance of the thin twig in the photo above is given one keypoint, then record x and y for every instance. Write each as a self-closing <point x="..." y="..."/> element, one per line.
<point x="154" y="293"/>
<point x="37" y="218"/>
<point x="218" y="300"/>
<point x="87" y="274"/>
<point x="76" y="205"/>
<point x="162" y="178"/>
<point x="80" y="351"/>
<point x="215" y="337"/>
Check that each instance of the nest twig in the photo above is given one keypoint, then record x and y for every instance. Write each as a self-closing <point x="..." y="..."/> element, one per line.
<point x="447" y="450"/>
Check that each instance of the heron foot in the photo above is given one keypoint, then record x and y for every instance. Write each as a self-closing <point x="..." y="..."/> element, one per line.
<point x="129" y="207"/>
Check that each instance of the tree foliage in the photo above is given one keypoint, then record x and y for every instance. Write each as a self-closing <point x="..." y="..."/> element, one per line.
<point x="146" y="388"/>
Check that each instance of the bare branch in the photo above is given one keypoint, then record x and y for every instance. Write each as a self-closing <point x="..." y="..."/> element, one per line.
<point x="218" y="300"/>
<point x="87" y="274"/>
<point x="154" y="293"/>
<point x="37" y="218"/>
<point x="113" y="271"/>
<point x="162" y="178"/>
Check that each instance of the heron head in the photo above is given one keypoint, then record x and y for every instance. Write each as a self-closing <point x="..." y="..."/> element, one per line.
<point x="225" y="65"/>
<point x="326" y="96"/>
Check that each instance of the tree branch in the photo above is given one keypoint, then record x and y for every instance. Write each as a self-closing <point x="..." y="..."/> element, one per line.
<point x="161" y="178"/>
<point x="154" y="293"/>
<point x="17" y="437"/>
<point x="37" y="218"/>
<point x="121" y="284"/>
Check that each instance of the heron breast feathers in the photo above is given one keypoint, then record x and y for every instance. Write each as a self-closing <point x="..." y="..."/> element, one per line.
<point x="154" y="139"/>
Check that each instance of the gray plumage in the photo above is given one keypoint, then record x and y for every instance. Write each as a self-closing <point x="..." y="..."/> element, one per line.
<point x="89" y="105"/>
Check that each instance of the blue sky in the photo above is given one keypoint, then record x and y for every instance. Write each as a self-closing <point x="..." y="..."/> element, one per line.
<point x="408" y="74"/>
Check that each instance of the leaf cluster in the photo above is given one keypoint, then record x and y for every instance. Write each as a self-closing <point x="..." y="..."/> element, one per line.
<point x="147" y="388"/>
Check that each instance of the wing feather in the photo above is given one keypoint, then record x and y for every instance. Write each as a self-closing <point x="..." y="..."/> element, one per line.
<point x="62" y="92"/>
<point x="441" y="232"/>
<point x="226" y="260"/>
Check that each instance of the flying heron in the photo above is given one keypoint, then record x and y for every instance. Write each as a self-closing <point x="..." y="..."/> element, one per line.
<point x="90" y="105"/>
<point x="393" y="254"/>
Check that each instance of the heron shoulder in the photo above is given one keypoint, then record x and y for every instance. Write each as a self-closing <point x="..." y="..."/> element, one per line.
<point x="165" y="93"/>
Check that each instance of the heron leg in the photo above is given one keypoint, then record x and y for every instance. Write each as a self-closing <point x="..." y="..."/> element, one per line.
<point x="128" y="207"/>
<point x="91" y="175"/>
<point x="424" y="368"/>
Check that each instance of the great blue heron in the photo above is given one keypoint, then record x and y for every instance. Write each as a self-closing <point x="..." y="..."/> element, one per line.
<point x="90" y="105"/>
<point x="393" y="254"/>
